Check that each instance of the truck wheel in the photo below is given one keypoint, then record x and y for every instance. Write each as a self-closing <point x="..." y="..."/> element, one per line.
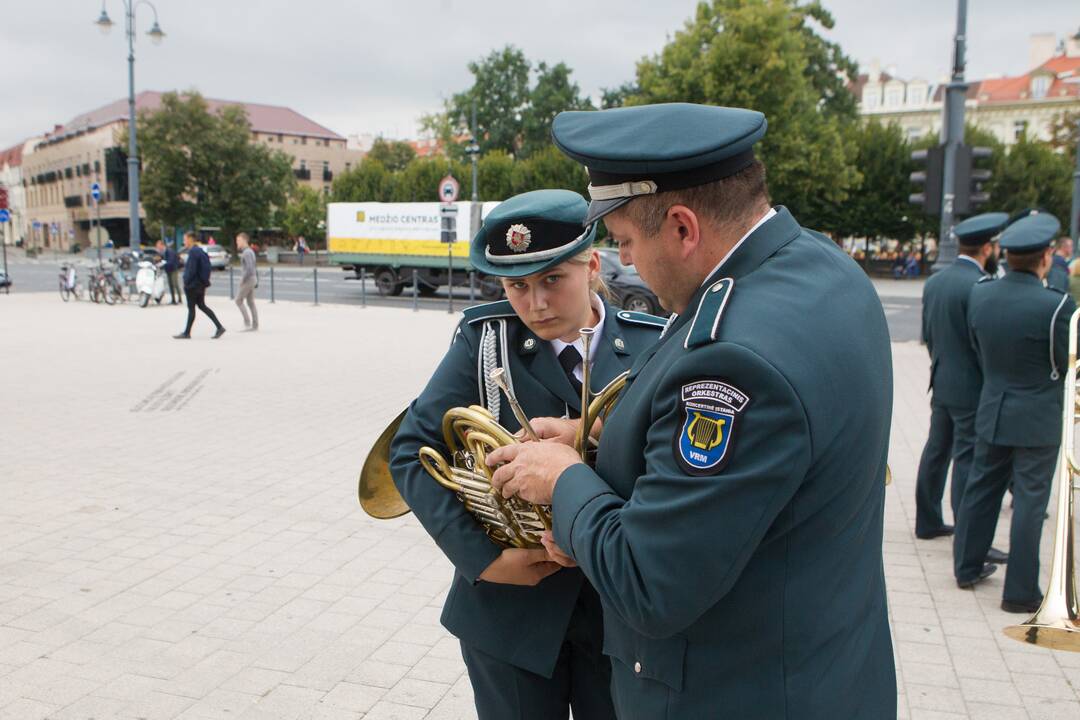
<point x="491" y="288"/>
<point x="386" y="282"/>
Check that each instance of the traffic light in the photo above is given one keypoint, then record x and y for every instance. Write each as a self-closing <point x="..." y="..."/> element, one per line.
<point x="970" y="179"/>
<point x="930" y="178"/>
<point x="448" y="225"/>
<point x="3" y="198"/>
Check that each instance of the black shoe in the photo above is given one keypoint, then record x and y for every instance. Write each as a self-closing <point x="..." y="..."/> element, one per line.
<point x="996" y="556"/>
<point x="987" y="571"/>
<point x="182" y="336"/>
<point x="943" y="531"/>
<point x="219" y="333"/>
<point x="1026" y="608"/>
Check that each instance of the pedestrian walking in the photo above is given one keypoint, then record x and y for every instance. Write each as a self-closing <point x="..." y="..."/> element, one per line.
<point x="196" y="280"/>
<point x="171" y="266"/>
<point x="249" y="280"/>
<point x="1020" y="330"/>
<point x="301" y="248"/>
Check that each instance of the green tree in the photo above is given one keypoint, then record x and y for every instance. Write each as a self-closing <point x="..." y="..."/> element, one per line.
<point x="828" y="68"/>
<point x="500" y="91"/>
<point x="369" y="181"/>
<point x="201" y="168"/>
<point x="617" y="97"/>
<point x="306" y="215"/>
<point x="394" y="155"/>
<point x="548" y="168"/>
<point x="760" y="54"/>
<point x="494" y="176"/>
<point x="1031" y="174"/>
<point x="553" y="93"/>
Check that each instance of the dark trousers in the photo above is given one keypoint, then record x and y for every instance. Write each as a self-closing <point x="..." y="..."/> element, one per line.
<point x="174" y="286"/>
<point x="1031" y="471"/>
<point x="952" y="437"/>
<point x="196" y="298"/>
<point x="581" y="681"/>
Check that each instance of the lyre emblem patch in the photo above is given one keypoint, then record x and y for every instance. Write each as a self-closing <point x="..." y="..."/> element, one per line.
<point x="710" y="410"/>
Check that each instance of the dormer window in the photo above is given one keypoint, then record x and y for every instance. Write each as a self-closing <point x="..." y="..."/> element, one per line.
<point x="1040" y="86"/>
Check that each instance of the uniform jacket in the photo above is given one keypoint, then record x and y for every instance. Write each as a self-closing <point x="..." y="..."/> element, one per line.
<point x="1058" y="277"/>
<point x="196" y="268"/>
<point x="955" y="377"/>
<point x="524" y="626"/>
<point x="744" y="580"/>
<point x="1020" y="330"/>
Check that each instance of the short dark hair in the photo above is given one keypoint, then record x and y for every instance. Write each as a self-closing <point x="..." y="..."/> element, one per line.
<point x="721" y="202"/>
<point x="1062" y="241"/>
<point x="965" y="249"/>
<point x="1027" y="261"/>
<point x="192" y="235"/>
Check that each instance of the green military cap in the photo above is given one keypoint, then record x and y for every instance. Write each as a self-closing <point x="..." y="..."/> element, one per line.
<point x="981" y="228"/>
<point x="1033" y="232"/>
<point x="531" y="232"/>
<point x="648" y="149"/>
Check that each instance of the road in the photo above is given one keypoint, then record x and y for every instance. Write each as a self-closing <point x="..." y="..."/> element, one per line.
<point x="902" y="299"/>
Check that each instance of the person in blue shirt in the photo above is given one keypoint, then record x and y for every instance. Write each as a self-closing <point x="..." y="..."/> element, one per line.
<point x="531" y="631"/>
<point x="196" y="280"/>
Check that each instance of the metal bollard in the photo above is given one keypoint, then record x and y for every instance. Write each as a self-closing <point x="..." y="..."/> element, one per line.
<point x="271" y="283"/>
<point x="363" y="289"/>
<point x="315" y="273"/>
<point x="415" y="291"/>
<point x="472" y="286"/>
<point x="450" y="294"/>
<point x="232" y="294"/>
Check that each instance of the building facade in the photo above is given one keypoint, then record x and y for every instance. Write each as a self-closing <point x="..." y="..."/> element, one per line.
<point x="59" y="169"/>
<point x="11" y="178"/>
<point x="1008" y="107"/>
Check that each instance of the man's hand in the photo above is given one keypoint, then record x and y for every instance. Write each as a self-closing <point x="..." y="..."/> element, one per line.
<point x="555" y="552"/>
<point x="531" y="469"/>
<point x="520" y="566"/>
<point x="560" y="430"/>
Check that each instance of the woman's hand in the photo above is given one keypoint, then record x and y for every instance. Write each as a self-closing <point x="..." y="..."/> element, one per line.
<point x="520" y="566"/>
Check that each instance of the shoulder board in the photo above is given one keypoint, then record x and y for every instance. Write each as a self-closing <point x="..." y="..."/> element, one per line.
<point x="985" y="278"/>
<point x="640" y="318"/>
<point x="1051" y="288"/>
<point x="710" y="309"/>
<point x="487" y="311"/>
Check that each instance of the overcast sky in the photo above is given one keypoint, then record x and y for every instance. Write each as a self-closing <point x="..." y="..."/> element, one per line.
<point x="374" y="67"/>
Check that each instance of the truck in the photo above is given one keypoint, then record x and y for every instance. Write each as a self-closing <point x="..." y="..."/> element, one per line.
<point x="389" y="241"/>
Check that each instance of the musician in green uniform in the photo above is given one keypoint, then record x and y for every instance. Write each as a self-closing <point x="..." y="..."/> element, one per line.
<point x="530" y="630"/>
<point x="733" y="523"/>
<point x="955" y="378"/>
<point x="1019" y="329"/>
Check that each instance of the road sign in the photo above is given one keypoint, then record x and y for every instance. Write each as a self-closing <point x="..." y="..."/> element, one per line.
<point x="95" y="191"/>
<point x="448" y="223"/>
<point x="3" y="198"/>
<point x="4" y="215"/>
<point x="37" y="225"/>
<point x="448" y="189"/>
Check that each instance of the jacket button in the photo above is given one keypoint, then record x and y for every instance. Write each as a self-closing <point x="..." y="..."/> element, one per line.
<point x="637" y="667"/>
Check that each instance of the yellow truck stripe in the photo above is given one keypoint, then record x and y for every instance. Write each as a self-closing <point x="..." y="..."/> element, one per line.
<point x="376" y="246"/>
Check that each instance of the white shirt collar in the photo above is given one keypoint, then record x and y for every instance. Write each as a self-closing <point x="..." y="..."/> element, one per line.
<point x="558" y="345"/>
<point x="970" y="259"/>
<point x="761" y="221"/>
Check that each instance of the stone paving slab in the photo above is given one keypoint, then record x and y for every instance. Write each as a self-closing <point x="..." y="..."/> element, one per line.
<point x="180" y="538"/>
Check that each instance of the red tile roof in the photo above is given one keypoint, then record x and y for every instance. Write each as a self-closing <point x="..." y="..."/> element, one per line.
<point x="263" y="118"/>
<point x="12" y="156"/>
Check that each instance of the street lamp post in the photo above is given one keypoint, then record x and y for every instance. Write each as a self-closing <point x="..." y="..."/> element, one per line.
<point x="105" y="24"/>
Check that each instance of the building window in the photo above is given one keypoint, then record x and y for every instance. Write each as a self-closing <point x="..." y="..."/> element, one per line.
<point x="914" y="134"/>
<point x="280" y="138"/>
<point x="303" y="140"/>
<point x="1019" y="129"/>
<point x="871" y="98"/>
<point x="1040" y="86"/>
<point x="894" y="97"/>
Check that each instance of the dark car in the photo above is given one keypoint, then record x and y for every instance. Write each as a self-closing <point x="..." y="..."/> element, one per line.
<point x="5" y="281"/>
<point x="629" y="290"/>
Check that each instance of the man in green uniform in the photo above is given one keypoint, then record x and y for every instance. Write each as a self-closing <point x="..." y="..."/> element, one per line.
<point x="733" y="523"/>
<point x="1058" y="277"/>
<point x="955" y="378"/>
<point x="1019" y="329"/>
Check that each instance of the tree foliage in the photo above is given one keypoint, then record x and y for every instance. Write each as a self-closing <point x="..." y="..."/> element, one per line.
<point x="1031" y="174"/>
<point x="201" y="168"/>
<point x="500" y="92"/>
<point x="764" y="54"/>
<point x="393" y="154"/>
<point x="306" y="215"/>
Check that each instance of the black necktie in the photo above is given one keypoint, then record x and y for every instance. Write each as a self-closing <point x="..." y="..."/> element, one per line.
<point x="570" y="358"/>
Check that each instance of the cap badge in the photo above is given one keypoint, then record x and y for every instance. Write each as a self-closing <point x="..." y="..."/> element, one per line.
<point x="518" y="238"/>
<point x="619" y="344"/>
<point x="529" y="344"/>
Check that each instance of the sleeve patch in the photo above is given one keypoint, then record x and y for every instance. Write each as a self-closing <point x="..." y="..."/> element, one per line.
<point x="710" y="410"/>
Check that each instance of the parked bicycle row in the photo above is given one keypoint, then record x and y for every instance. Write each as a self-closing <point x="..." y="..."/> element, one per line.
<point x="114" y="281"/>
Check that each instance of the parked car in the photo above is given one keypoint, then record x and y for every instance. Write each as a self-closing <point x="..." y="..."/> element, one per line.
<point x="630" y="291"/>
<point x="219" y="256"/>
<point x="5" y="281"/>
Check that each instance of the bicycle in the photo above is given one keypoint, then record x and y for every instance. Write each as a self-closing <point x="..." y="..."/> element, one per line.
<point x="95" y="284"/>
<point x="69" y="284"/>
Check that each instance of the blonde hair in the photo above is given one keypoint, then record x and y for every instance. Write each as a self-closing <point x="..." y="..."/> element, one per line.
<point x="597" y="285"/>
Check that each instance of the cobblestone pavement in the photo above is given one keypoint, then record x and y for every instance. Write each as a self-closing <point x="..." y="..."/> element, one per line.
<point x="180" y="538"/>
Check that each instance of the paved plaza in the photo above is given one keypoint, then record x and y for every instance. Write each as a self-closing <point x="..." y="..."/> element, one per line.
<point x="180" y="537"/>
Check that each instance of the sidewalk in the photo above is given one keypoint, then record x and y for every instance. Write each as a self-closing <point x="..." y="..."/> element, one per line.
<point x="181" y="539"/>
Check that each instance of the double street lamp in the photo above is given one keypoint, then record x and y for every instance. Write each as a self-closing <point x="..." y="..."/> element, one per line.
<point x="105" y="23"/>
